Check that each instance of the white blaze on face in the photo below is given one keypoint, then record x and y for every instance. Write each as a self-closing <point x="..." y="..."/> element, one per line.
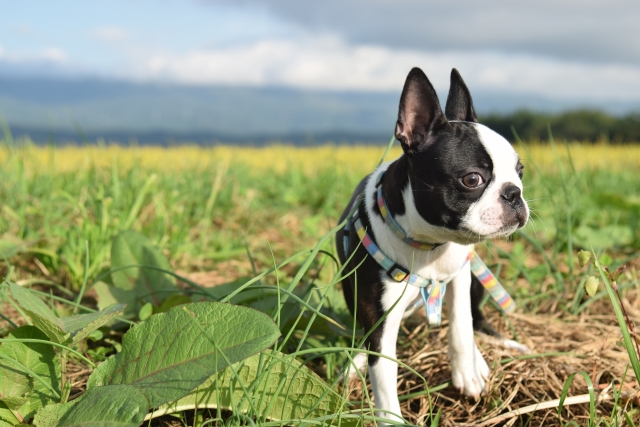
<point x="486" y="216"/>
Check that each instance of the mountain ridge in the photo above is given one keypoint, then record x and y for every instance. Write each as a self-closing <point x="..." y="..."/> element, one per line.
<point x="122" y="111"/>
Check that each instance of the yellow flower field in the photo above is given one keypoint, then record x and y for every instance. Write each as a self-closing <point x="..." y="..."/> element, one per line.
<point x="355" y="159"/>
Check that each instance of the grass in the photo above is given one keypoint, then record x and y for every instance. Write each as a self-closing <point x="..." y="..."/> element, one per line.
<point x="208" y="208"/>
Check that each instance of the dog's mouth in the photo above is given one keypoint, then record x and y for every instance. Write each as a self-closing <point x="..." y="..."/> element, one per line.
<point x="518" y="220"/>
<point x="522" y="216"/>
<point x="469" y="236"/>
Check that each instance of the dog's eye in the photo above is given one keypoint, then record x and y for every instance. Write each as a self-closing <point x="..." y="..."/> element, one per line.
<point x="472" y="180"/>
<point x="520" y="169"/>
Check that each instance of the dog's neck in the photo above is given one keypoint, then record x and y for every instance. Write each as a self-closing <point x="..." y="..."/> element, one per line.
<point x="398" y="195"/>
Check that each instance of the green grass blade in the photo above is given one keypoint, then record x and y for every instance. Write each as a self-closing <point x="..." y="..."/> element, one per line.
<point x="592" y="396"/>
<point x="84" y="280"/>
<point x="137" y="204"/>
<point x="626" y="336"/>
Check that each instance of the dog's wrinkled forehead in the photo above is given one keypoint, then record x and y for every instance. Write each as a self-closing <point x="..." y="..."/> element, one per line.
<point x="475" y="145"/>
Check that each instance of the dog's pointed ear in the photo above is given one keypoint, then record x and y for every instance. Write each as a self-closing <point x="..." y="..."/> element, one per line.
<point x="459" y="103"/>
<point x="419" y="115"/>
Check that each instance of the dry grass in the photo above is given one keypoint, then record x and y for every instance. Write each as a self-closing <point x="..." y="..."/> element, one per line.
<point x="517" y="381"/>
<point x="561" y="345"/>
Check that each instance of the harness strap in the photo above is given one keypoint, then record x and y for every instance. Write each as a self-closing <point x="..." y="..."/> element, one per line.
<point x="491" y="284"/>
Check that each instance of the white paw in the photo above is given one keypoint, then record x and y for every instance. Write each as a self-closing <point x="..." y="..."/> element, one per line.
<point x="468" y="373"/>
<point x="360" y="362"/>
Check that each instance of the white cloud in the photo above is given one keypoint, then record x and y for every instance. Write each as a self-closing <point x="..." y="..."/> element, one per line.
<point x="589" y="30"/>
<point x="328" y="63"/>
<point x="47" y="54"/>
<point x="324" y="63"/>
<point x="53" y="54"/>
<point x="110" y="34"/>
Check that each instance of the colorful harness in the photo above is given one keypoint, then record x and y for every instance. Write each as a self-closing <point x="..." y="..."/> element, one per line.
<point x="432" y="291"/>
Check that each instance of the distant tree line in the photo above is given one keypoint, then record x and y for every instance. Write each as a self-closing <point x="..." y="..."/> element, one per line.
<point x="579" y="125"/>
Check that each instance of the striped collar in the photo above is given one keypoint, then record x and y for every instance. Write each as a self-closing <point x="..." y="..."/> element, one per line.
<point x="394" y="226"/>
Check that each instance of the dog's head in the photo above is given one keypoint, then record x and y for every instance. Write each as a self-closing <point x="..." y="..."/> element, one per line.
<point x="465" y="178"/>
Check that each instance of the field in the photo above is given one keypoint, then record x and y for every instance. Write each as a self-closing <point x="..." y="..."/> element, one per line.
<point x="223" y="216"/>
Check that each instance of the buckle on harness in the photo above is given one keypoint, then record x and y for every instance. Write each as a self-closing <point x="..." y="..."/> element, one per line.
<point x="397" y="273"/>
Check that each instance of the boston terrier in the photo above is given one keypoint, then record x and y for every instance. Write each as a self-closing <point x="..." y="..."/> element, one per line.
<point x="411" y="228"/>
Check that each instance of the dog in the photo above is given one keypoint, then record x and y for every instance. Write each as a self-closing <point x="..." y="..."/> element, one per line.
<point x="457" y="183"/>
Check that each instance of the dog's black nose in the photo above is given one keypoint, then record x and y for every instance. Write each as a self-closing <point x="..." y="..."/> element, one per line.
<point x="511" y="194"/>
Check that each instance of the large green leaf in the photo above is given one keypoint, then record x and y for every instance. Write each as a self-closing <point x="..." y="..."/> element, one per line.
<point x="7" y="417"/>
<point x="13" y="402"/>
<point x="50" y="415"/>
<point x="169" y="355"/>
<point x="40" y="314"/>
<point x="67" y="329"/>
<point x="15" y="384"/>
<point x="109" y="406"/>
<point x="109" y="295"/>
<point x="82" y="325"/>
<point x="280" y="388"/>
<point x="150" y="285"/>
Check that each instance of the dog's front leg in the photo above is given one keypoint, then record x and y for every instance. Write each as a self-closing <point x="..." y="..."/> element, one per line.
<point x="383" y="371"/>
<point x="468" y="367"/>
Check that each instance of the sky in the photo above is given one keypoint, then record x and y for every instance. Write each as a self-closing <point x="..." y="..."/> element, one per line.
<point x="581" y="50"/>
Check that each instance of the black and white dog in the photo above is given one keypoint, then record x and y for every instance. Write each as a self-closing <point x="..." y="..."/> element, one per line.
<point x="456" y="184"/>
